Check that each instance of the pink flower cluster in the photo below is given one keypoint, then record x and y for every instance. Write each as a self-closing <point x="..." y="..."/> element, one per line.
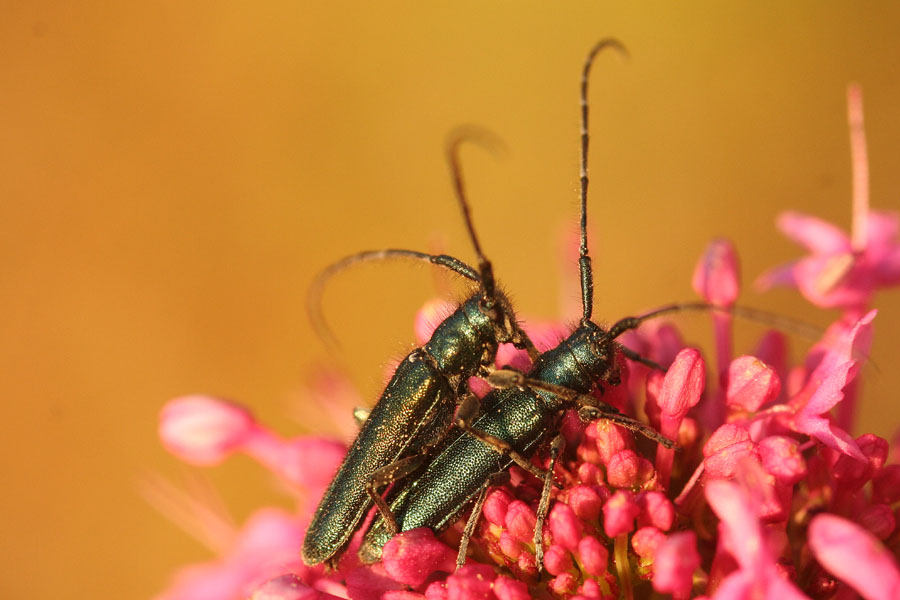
<point x="767" y="496"/>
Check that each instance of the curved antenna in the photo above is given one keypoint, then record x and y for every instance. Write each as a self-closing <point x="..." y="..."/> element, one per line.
<point x="314" y="295"/>
<point x="774" y="320"/>
<point x="488" y="140"/>
<point x="584" y="261"/>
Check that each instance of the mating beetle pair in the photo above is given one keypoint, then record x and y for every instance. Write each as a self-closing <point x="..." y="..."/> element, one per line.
<point x="409" y="437"/>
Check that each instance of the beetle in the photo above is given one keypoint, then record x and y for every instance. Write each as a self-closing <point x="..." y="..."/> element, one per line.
<point x="525" y="410"/>
<point x="415" y="410"/>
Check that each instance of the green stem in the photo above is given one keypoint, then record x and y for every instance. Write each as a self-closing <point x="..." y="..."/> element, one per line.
<point x="623" y="566"/>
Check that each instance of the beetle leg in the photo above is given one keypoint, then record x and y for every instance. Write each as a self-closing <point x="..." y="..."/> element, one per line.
<point x="587" y="405"/>
<point x="388" y="474"/>
<point x="556" y="447"/>
<point x="494" y="479"/>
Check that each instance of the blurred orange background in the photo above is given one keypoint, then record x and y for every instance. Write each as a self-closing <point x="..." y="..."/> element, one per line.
<point x="173" y="175"/>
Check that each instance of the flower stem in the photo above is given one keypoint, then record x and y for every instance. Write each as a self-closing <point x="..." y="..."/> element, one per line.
<point x="623" y="566"/>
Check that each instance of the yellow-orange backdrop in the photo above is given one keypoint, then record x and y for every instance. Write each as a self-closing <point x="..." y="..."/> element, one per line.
<point x="172" y="175"/>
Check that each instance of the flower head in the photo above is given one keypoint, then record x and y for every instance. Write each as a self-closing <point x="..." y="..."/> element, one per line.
<point x="767" y="496"/>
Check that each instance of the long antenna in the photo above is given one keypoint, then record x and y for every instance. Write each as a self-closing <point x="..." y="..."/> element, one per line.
<point x="471" y="133"/>
<point x="584" y="261"/>
<point x="316" y="289"/>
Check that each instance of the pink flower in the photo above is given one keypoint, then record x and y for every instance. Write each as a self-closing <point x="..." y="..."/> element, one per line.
<point x="824" y="388"/>
<point x="264" y="548"/>
<point x="680" y="391"/>
<point x="742" y="534"/>
<point x="760" y="457"/>
<point x="843" y="271"/>
<point x="855" y="557"/>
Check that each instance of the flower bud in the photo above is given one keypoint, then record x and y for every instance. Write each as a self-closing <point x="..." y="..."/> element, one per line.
<point x="565" y="526"/>
<point x="656" y="510"/>
<point x="496" y="506"/>
<point x="585" y="502"/>
<point x="472" y="582"/>
<point x="878" y="519"/>
<point x="520" y="521"/>
<point x="717" y="274"/>
<point x="725" y="449"/>
<point x="646" y="540"/>
<point x="510" y="589"/>
<point x="619" y="513"/>
<point x="558" y="560"/>
<point x="782" y="458"/>
<point x="751" y="384"/>
<point x="594" y="555"/>
<point x="411" y="556"/>
<point x="203" y="430"/>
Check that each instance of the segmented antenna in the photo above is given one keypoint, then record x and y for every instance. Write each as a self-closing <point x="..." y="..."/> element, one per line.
<point x="471" y="133"/>
<point x="584" y="261"/>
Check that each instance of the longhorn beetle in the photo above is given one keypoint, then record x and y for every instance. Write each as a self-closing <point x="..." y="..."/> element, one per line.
<point x="415" y="411"/>
<point x="525" y="411"/>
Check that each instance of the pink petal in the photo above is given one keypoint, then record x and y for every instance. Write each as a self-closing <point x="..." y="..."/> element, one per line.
<point x="854" y="555"/>
<point x="816" y="235"/>
<point x="266" y="547"/>
<point x="370" y="583"/>
<point x="883" y="227"/>
<point x="886" y="271"/>
<point x="307" y="462"/>
<point x="288" y="587"/>
<point x="738" y="514"/>
<point x="496" y="505"/>
<point x="781" y="276"/>
<point x="886" y="485"/>
<point x="830" y="435"/>
<point x="674" y="564"/>
<point x="824" y="280"/>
